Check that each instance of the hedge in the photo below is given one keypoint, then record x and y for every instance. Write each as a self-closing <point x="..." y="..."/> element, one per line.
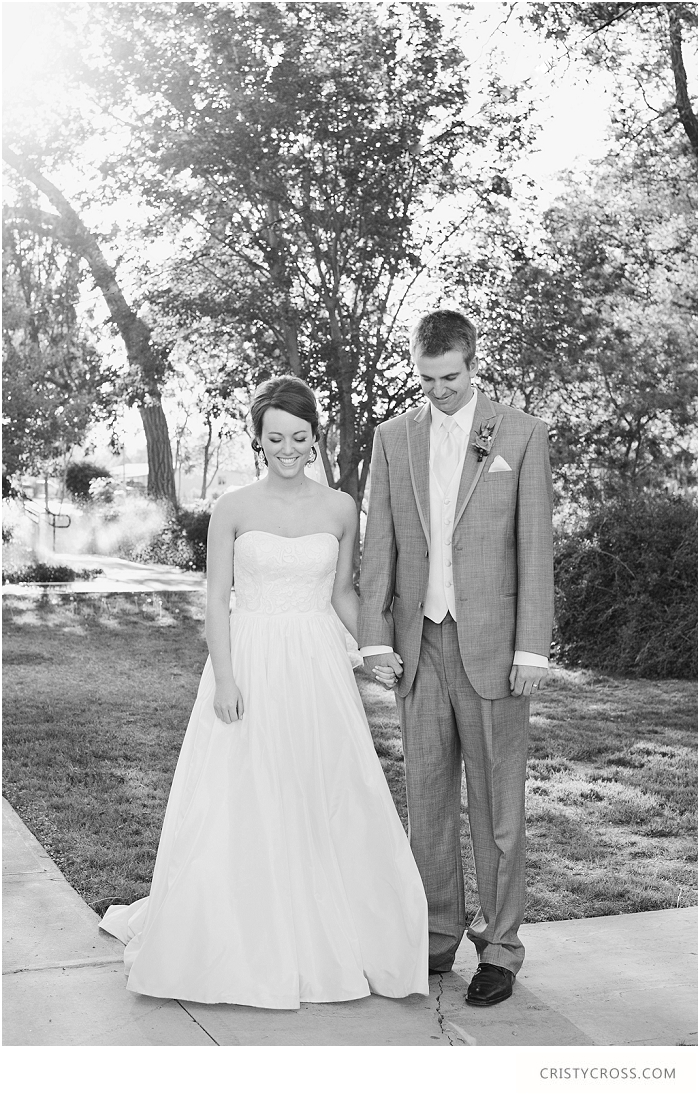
<point x="79" y="476"/>
<point x="626" y="584"/>
<point x="182" y="541"/>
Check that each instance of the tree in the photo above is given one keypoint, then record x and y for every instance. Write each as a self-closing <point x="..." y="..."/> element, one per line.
<point x="592" y="324"/>
<point x="50" y="131"/>
<point x="148" y="363"/>
<point x="54" y="382"/>
<point x="314" y="159"/>
<point x="642" y="46"/>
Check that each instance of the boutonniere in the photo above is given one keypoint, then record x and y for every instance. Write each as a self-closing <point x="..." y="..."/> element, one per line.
<point x="484" y="439"/>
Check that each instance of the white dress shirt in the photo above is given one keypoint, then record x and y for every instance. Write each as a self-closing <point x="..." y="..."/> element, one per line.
<point x="440" y="595"/>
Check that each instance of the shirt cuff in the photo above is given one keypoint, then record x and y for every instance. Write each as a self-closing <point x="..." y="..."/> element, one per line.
<point x="531" y="658"/>
<point x="375" y="649"/>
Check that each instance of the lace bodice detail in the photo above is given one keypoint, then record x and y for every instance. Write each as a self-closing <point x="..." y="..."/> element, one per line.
<point x="278" y="575"/>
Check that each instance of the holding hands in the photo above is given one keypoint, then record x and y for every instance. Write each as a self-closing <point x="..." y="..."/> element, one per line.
<point x="385" y="667"/>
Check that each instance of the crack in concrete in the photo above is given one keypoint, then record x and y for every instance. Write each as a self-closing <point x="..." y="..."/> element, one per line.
<point x="190" y="1015"/>
<point x="440" y="1017"/>
<point x="88" y="962"/>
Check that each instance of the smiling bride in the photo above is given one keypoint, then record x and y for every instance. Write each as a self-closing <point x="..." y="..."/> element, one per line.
<point x="283" y="872"/>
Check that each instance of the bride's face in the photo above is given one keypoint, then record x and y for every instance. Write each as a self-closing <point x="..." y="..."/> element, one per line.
<point x="287" y="442"/>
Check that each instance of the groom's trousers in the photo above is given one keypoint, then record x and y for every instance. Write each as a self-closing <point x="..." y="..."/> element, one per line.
<point x="443" y="720"/>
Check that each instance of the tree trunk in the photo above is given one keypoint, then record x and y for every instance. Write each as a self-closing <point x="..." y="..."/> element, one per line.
<point x="159" y="455"/>
<point x="683" y="105"/>
<point x="322" y="448"/>
<point x="348" y="480"/>
<point x="149" y="365"/>
<point x="205" y="470"/>
<point x="280" y="278"/>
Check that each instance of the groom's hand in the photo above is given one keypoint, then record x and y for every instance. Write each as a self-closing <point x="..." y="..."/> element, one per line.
<point x="526" y="679"/>
<point x="385" y="667"/>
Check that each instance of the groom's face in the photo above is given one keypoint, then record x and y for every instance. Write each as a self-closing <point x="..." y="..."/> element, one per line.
<point x="445" y="379"/>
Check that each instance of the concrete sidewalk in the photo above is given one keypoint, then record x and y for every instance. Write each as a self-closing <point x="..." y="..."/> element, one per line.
<point x="620" y="980"/>
<point x="118" y="575"/>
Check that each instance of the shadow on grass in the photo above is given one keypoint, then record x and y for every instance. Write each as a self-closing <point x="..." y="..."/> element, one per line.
<point x="99" y="689"/>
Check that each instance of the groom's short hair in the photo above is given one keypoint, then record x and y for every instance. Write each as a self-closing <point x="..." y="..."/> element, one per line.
<point x="444" y="330"/>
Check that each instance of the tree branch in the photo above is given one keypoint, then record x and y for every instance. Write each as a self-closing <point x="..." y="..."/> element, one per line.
<point x="619" y="15"/>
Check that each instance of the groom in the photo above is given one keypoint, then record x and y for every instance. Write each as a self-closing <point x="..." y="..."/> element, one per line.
<point x="457" y="600"/>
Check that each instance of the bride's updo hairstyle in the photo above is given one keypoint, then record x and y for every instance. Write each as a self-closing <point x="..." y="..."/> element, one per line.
<point x="289" y="394"/>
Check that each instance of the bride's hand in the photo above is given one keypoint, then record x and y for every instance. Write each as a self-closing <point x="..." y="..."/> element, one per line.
<point x="228" y="704"/>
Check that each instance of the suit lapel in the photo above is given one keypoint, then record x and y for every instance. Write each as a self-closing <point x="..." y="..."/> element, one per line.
<point x="418" y="434"/>
<point x="473" y="468"/>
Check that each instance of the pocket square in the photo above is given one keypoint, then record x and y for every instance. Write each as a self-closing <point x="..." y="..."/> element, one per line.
<point x="500" y="465"/>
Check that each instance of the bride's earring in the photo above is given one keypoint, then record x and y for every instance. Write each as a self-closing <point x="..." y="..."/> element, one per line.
<point x="258" y="450"/>
<point x="313" y="451"/>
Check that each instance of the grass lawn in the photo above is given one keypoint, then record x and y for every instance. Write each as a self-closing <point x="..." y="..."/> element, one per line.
<point x="98" y="691"/>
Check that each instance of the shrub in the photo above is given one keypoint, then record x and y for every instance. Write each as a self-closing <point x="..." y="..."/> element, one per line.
<point x="181" y="542"/>
<point x="101" y="490"/>
<point x="9" y="490"/>
<point x="195" y="526"/>
<point x="41" y="572"/>
<point x="627" y="589"/>
<point x="79" y="477"/>
<point x="167" y="546"/>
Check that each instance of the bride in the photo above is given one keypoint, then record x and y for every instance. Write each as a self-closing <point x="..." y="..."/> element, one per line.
<point x="283" y="873"/>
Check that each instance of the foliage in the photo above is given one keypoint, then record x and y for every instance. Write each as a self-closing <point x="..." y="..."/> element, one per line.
<point x="641" y="46"/>
<point x="9" y="490"/>
<point x="55" y="384"/>
<point x="313" y="159"/>
<point x="181" y="542"/>
<point x="42" y="572"/>
<point x="591" y="323"/>
<point x="626" y="585"/>
<point x="52" y="133"/>
<point x="101" y="490"/>
<point x="195" y="526"/>
<point x="309" y="170"/>
<point x="80" y="476"/>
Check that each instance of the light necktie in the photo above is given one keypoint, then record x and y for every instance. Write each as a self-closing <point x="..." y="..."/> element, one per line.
<point x="447" y="456"/>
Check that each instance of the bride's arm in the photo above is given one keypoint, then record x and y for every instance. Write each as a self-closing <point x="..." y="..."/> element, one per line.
<point x="228" y="703"/>
<point x="344" y="599"/>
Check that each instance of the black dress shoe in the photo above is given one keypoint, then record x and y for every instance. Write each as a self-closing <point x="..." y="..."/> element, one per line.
<point x="490" y="984"/>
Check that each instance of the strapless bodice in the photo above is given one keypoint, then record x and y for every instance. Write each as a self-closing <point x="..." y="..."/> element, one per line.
<point x="278" y="575"/>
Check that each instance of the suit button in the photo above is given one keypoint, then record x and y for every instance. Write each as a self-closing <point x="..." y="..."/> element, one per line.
<point x="420" y="605"/>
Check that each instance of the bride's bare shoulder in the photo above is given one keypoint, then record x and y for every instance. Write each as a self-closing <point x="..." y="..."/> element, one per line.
<point x="230" y="506"/>
<point x="339" y="504"/>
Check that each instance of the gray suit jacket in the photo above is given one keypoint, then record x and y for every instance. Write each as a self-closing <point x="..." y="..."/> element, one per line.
<point x="502" y="545"/>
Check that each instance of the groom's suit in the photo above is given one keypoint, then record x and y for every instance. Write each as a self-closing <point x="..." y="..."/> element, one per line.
<point x="454" y="696"/>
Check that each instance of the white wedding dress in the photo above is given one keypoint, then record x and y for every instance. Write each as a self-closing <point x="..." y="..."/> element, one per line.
<point x="283" y="873"/>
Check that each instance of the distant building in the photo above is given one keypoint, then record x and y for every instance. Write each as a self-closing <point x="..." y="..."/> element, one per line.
<point x="131" y="474"/>
<point x="188" y="485"/>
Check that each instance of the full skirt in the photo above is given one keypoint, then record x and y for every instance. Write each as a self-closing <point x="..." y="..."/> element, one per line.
<point x="283" y="873"/>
